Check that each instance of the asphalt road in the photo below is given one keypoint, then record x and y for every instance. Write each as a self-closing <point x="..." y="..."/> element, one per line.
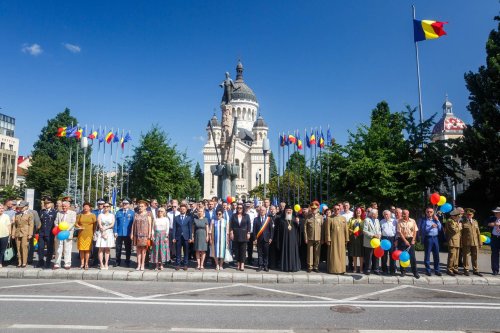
<point x="202" y="307"/>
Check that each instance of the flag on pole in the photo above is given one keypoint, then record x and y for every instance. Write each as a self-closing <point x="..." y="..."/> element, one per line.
<point x="427" y="29"/>
<point x="79" y="133"/>
<point x="71" y="132"/>
<point x="101" y="136"/>
<point x="308" y="142"/>
<point x="282" y="140"/>
<point x="109" y="137"/>
<point x="292" y="139"/>
<point x="328" y="137"/>
<point x="299" y="141"/>
<point x="61" y="132"/>
<point x="321" y="141"/>
<point x="93" y="135"/>
<point x="312" y="139"/>
<point x="116" y="137"/>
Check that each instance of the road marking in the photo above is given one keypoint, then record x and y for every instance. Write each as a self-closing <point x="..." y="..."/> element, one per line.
<point x="375" y="293"/>
<point x="225" y="330"/>
<point x="289" y="293"/>
<point x="456" y="292"/>
<point x="407" y="331"/>
<point x="35" y="284"/>
<point x="189" y="291"/>
<point x="298" y="304"/>
<point x="103" y="289"/>
<point x="58" y="327"/>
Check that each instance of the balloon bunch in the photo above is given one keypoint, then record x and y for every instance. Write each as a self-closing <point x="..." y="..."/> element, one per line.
<point x="61" y="231"/>
<point x="322" y="207"/>
<point x="35" y="242"/>
<point x="485" y="239"/>
<point x="440" y="201"/>
<point x="380" y="246"/>
<point x="230" y="199"/>
<point x="402" y="256"/>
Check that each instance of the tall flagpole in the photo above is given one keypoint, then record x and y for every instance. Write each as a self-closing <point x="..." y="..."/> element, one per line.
<point x="69" y="166"/>
<point x="418" y="76"/>
<point x="90" y="169"/>
<point x="310" y="168"/>
<point x="84" y="146"/>
<point x="103" y="162"/>
<point x="115" y="188"/>
<point x="110" y="185"/>
<point x="128" y="172"/>
<point x="283" y="167"/>
<point x="315" y="165"/>
<point x="123" y="162"/>
<point x="76" y="170"/>
<point x="279" y="165"/>
<point x="98" y="165"/>
<point x="288" y="164"/>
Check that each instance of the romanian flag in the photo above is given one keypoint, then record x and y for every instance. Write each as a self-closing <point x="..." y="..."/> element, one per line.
<point x="61" y="132"/>
<point x="299" y="141"/>
<point x="93" y="135"/>
<point x="312" y="139"/>
<point x="109" y="137"/>
<point x="356" y="231"/>
<point x="321" y="142"/>
<point x="292" y="139"/>
<point x="427" y="29"/>
<point x="78" y="134"/>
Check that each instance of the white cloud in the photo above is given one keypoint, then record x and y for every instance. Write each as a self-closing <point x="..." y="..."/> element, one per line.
<point x="199" y="138"/>
<point x="33" y="49"/>
<point x="72" y="48"/>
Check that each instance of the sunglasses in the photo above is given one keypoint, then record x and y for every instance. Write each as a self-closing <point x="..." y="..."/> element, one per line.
<point x="240" y="207"/>
<point x="106" y="206"/>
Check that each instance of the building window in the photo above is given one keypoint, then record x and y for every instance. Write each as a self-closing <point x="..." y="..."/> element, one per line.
<point x="2" y="145"/>
<point x="243" y="170"/>
<point x="237" y="163"/>
<point x="11" y="147"/>
<point x="213" y="181"/>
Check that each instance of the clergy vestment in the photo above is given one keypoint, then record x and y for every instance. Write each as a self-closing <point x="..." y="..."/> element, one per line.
<point x="289" y="245"/>
<point x="337" y="234"/>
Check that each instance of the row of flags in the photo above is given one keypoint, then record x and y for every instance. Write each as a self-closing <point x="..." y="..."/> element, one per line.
<point x="79" y="132"/>
<point x="313" y="138"/>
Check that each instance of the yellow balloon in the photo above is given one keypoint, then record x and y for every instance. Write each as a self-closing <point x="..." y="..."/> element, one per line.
<point x="442" y="200"/>
<point x="404" y="263"/>
<point x="483" y="238"/>
<point x="375" y="242"/>
<point x="63" y="225"/>
<point x="296" y="208"/>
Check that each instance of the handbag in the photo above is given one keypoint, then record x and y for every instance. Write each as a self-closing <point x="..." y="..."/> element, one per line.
<point x="9" y="252"/>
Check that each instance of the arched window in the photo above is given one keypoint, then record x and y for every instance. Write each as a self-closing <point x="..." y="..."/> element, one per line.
<point x="244" y="114"/>
<point x="239" y="113"/>
<point x="237" y="162"/>
<point x="243" y="170"/>
<point x="213" y="181"/>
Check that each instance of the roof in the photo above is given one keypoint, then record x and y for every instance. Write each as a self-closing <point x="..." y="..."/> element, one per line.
<point x="259" y="122"/>
<point x="245" y="135"/>
<point x="242" y="91"/>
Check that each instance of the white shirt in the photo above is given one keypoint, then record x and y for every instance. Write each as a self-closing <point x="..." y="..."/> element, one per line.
<point x="162" y="224"/>
<point x="252" y="213"/>
<point x="171" y="216"/>
<point x="388" y="227"/>
<point x="348" y="215"/>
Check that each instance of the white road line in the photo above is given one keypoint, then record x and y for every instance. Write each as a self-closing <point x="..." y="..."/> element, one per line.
<point x="103" y="289"/>
<point x="225" y="330"/>
<point x="35" y="284"/>
<point x="375" y="293"/>
<point x="189" y="291"/>
<point x="58" y="327"/>
<point x="289" y="293"/>
<point x="407" y="331"/>
<point x="456" y="292"/>
<point x="423" y="305"/>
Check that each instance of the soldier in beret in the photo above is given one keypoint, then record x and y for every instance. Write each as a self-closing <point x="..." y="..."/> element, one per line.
<point x="470" y="241"/>
<point x="313" y="237"/>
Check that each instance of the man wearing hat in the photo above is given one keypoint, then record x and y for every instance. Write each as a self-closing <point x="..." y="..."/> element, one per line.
<point x="122" y="230"/>
<point x="313" y="237"/>
<point x="452" y="230"/>
<point x="45" y="236"/>
<point x="470" y="241"/>
<point x="288" y="227"/>
<point x="23" y="232"/>
<point x="494" y="222"/>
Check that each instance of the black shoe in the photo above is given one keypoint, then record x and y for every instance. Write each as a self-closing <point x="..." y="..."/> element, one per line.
<point x="402" y="273"/>
<point x="438" y="274"/>
<point x="259" y="269"/>
<point x="393" y="273"/>
<point x="450" y="273"/>
<point x="309" y="270"/>
<point x="116" y="264"/>
<point x="376" y="273"/>
<point x="416" y="275"/>
<point x="127" y="263"/>
<point x="466" y="273"/>
<point x="495" y="273"/>
<point x="266" y="269"/>
<point x="315" y="270"/>
<point x="428" y="273"/>
<point x="477" y="273"/>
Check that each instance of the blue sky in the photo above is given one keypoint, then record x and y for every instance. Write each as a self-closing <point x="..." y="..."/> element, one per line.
<point x="130" y="64"/>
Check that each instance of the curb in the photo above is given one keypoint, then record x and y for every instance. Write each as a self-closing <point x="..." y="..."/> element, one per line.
<point x="239" y="277"/>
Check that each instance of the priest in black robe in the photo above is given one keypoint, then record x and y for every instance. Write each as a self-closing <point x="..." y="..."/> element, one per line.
<point x="274" y="248"/>
<point x="289" y="231"/>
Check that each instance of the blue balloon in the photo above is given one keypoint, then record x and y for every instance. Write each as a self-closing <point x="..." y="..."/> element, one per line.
<point x="488" y="240"/>
<point x="446" y="208"/>
<point x="404" y="256"/>
<point x="322" y="207"/>
<point x="63" y="235"/>
<point x="385" y="244"/>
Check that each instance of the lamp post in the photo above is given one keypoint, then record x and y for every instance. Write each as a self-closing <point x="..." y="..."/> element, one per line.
<point x="265" y="149"/>
<point x="84" y="144"/>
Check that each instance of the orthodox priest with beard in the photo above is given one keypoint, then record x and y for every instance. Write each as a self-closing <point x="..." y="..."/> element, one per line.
<point x="289" y="230"/>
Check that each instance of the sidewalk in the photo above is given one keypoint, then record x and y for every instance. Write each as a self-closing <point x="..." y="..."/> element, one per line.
<point x="230" y="275"/>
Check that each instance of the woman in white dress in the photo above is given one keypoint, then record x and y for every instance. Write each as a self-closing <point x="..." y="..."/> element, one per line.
<point x="105" y="237"/>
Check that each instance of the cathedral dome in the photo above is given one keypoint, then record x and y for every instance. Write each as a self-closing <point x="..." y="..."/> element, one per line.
<point x="448" y="123"/>
<point x="242" y="91"/>
<point x="259" y="122"/>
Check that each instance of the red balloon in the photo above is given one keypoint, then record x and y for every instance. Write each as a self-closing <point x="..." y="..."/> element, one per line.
<point x="378" y="252"/>
<point x="396" y="254"/>
<point x="435" y="198"/>
<point x="36" y="236"/>
<point x="55" y="231"/>
<point x="229" y="199"/>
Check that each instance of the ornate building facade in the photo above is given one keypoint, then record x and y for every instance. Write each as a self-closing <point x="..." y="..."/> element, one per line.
<point x="248" y="154"/>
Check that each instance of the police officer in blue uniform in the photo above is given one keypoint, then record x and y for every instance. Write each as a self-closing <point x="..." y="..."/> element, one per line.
<point x="45" y="236"/>
<point x="122" y="229"/>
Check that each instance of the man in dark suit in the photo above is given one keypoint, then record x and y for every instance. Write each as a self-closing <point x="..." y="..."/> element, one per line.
<point x="183" y="235"/>
<point x="263" y="234"/>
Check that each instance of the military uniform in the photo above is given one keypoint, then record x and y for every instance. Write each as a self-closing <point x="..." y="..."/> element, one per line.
<point x="45" y="236"/>
<point x="23" y="232"/>
<point x="313" y="237"/>
<point x="452" y="231"/>
<point x="470" y="242"/>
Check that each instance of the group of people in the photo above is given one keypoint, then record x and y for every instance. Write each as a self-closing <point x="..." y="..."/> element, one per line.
<point x="216" y="233"/>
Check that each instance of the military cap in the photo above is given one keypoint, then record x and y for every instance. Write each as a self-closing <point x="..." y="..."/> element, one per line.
<point x="314" y="204"/>
<point x="470" y="211"/>
<point x="455" y="212"/>
<point x="23" y="204"/>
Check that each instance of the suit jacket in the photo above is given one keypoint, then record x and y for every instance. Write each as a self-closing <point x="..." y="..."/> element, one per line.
<point x="23" y="224"/>
<point x="370" y="229"/>
<point x="207" y="215"/>
<point x="240" y="230"/>
<point x="183" y="227"/>
<point x="268" y="232"/>
<point x="69" y="217"/>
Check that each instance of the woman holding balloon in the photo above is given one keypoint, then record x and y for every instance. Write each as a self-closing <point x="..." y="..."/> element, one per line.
<point x="85" y="223"/>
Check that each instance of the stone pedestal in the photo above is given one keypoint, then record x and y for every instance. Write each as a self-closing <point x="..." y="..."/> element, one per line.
<point x="226" y="175"/>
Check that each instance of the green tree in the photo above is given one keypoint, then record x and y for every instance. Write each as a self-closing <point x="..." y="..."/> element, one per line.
<point x="273" y="169"/>
<point x="479" y="146"/>
<point x="158" y="170"/>
<point x="198" y="175"/>
<point x="10" y="192"/>
<point x="49" y="169"/>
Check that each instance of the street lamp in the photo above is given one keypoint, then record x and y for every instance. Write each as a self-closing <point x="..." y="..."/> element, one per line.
<point x="265" y="149"/>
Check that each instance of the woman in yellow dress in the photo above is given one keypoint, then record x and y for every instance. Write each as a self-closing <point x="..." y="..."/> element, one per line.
<point x="86" y="222"/>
